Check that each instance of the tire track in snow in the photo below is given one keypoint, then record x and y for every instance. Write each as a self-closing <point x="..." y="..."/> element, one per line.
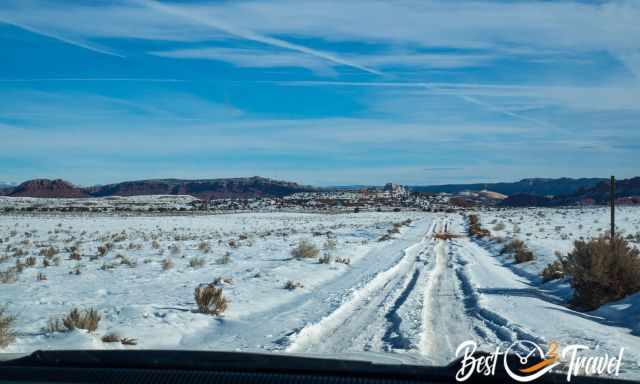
<point x="370" y="319"/>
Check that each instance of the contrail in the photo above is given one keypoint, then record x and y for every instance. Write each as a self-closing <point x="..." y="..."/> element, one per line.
<point x="60" y="38"/>
<point x="430" y="86"/>
<point x="250" y="35"/>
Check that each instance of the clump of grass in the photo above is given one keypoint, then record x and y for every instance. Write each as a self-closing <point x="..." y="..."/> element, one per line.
<point x="210" y="299"/>
<point x="9" y="276"/>
<point x="6" y="328"/>
<point x="30" y="261"/>
<point x="87" y="319"/>
<point x="167" y="264"/>
<point x="196" y="262"/>
<point x="305" y="249"/>
<point x="41" y="276"/>
<point x="155" y="244"/>
<point x="291" y="285"/>
<point x="602" y="270"/>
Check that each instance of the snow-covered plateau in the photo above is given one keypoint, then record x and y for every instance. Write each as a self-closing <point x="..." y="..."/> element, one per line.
<point x="411" y="297"/>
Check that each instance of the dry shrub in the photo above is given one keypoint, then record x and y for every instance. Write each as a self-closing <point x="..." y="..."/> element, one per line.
<point x="291" y="285"/>
<point x="602" y="271"/>
<point x="519" y="251"/>
<point x="155" y="244"/>
<point x="83" y="319"/>
<point x="210" y="299"/>
<point x="6" y="328"/>
<point x="475" y="229"/>
<point x="167" y="264"/>
<point x="326" y="259"/>
<point x="41" y="276"/>
<point x="552" y="271"/>
<point x="196" y="262"/>
<point x="305" y="249"/>
<point x="30" y="261"/>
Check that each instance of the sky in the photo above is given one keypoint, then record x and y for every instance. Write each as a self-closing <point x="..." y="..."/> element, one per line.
<point x="319" y="92"/>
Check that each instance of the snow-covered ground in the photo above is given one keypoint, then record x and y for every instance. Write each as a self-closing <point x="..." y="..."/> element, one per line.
<point x="413" y="298"/>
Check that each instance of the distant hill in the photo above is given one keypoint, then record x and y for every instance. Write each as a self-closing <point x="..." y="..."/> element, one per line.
<point x="46" y="188"/>
<point x="244" y="187"/>
<point x="536" y="187"/>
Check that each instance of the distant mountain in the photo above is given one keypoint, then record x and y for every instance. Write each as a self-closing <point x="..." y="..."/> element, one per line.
<point x="204" y="189"/>
<point x="46" y="188"/>
<point x="536" y="187"/>
<point x="627" y="191"/>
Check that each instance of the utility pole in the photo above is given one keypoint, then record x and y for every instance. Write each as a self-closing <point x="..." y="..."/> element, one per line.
<point x="612" y="199"/>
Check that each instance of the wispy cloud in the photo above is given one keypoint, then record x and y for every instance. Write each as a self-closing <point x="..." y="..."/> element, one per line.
<point x="63" y="39"/>
<point x="250" y="35"/>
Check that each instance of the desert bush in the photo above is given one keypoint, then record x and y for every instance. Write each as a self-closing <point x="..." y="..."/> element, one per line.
<point x="512" y="246"/>
<point x="291" y="285"/>
<point x="196" y="262"/>
<point x="210" y="299"/>
<point x="326" y="259"/>
<point x="41" y="276"/>
<point x="6" y="328"/>
<point x="552" y="271"/>
<point x="305" y="249"/>
<point x="601" y="270"/>
<point x="167" y="264"/>
<point x="9" y="276"/>
<point x="124" y="260"/>
<point x="55" y="324"/>
<point x="155" y="244"/>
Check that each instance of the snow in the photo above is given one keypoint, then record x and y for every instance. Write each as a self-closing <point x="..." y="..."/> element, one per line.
<point x="413" y="298"/>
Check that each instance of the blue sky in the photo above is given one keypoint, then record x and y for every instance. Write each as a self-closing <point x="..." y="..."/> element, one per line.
<point x="319" y="92"/>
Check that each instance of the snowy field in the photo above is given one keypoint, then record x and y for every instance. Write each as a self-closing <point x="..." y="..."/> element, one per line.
<point x="412" y="298"/>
